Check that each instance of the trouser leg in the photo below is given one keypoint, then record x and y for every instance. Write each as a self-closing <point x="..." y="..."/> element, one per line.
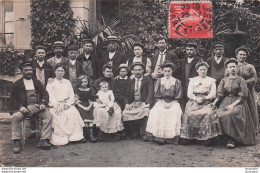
<point x="47" y="118"/>
<point x="16" y="126"/>
<point x="142" y="126"/>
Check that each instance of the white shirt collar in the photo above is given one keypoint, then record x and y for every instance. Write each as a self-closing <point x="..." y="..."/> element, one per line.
<point x="139" y="79"/>
<point x="28" y="84"/>
<point x="87" y="56"/>
<point x="111" y="54"/>
<point x="72" y="62"/>
<point x="125" y="78"/>
<point x="162" y="53"/>
<point x="40" y="63"/>
<point x="190" y="59"/>
<point x="218" y="59"/>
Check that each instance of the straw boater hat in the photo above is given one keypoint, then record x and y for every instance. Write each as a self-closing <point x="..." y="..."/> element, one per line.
<point x="58" y="44"/>
<point x="192" y="44"/>
<point x="40" y="47"/>
<point x="137" y="63"/>
<point x="112" y="38"/>
<point x="123" y="66"/>
<point x="138" y="44"/>
<point x="231" y="60"/>
<point x="72" y="48"/>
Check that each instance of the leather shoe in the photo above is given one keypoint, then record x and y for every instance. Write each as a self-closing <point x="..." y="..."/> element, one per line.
<point x="16" y="146"/>
<point x="44" y="144"/>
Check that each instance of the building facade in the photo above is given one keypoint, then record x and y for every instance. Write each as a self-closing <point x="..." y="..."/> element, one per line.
<point x="15" y="26"/>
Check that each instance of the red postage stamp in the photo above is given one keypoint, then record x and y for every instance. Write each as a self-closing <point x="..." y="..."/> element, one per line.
<point x="190" y="19"/>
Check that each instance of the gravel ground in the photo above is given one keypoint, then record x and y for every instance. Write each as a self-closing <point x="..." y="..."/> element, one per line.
<point x="127" y="153"/>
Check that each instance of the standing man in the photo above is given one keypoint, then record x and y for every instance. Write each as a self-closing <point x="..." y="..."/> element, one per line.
<point x="113" y="55"/>
<point x="42" y="70"/>
<point x="58" y="47"/>
<point x="187" y="69"/>
<point x="74" y="68"/>
<point x="159" y="58"/>
<point x="90" y="61"/>
<point x="138" y="99"/>
<point x="216" y="62"/>
<point x="28" y="97"/>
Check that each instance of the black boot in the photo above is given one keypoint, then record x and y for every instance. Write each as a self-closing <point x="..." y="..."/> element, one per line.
<point x="85" y="133"/>
<point x="91" y="135"/>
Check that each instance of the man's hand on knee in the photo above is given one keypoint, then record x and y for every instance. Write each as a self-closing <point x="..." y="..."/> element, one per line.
<point x="42" y="107"/>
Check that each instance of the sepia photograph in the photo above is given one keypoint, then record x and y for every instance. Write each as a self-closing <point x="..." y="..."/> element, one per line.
<point x="130" y="84"/>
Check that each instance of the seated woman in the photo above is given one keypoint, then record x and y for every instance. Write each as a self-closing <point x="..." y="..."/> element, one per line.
<point x="164" y="120"/>
<point x="67" y="122"/>
<point x="235" y="120"/>
<point x="199" y="121"/>
<point x="107" y="113"/>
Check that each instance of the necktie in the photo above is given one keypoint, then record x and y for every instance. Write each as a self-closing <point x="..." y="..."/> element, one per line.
<point x="137" y="84"/>
<point x="161" y="59"/>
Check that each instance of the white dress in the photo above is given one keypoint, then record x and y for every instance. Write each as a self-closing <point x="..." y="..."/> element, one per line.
<point x="165" y="122"/>
<point x="107" y="99"/>
<point x="69" y="125"/>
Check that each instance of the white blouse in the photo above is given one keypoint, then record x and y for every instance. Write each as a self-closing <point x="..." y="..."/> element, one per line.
<point x="60" y="92"/>
<point x="198" y="85"/>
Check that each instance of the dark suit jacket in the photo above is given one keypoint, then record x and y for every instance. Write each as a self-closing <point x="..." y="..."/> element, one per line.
<point x="170" y="57"/>
<point x="79" y="69"/>
<point x="97" y="69"/>
<point x="147" y="91"/>
<point x="18" y="97"/>
<point x="48" y="71"/>
<point x="119" y="58"/>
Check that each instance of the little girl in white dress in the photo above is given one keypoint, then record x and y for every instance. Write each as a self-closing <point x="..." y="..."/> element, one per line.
<point x="106" y="97"/>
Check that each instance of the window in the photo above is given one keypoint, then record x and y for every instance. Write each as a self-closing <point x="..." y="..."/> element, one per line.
<point x="7" y="35"/>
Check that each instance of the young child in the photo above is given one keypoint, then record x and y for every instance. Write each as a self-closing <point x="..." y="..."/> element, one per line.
<point x="121" y="83"/>
<point x="106" y="97"/>
<point x="84" y="104"/>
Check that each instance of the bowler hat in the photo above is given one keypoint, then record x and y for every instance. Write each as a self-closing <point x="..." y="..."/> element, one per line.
<point x="58" y="44"/>
<point x="123" y="66"/>
<point x="137" y="63"/>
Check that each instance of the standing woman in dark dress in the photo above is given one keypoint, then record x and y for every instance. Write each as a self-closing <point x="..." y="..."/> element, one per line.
<point x="248" y="72"/>
<point x="84" y="104"/>
<point x="235" y="120"/>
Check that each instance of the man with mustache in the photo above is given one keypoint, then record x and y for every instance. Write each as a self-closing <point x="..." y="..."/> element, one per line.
<point x="29" y="98"/>
<point x="138" y="100"/>
<point x="113" y="55"/>
<point x="159" y="58"/>
<point x="216" y="62"/>
<point x="58" y="47"/>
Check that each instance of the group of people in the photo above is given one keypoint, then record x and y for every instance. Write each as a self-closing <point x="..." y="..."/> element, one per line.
<point x="161" y="99"/>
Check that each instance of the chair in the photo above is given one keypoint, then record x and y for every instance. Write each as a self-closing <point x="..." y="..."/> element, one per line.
<point x="37" y="130"/>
